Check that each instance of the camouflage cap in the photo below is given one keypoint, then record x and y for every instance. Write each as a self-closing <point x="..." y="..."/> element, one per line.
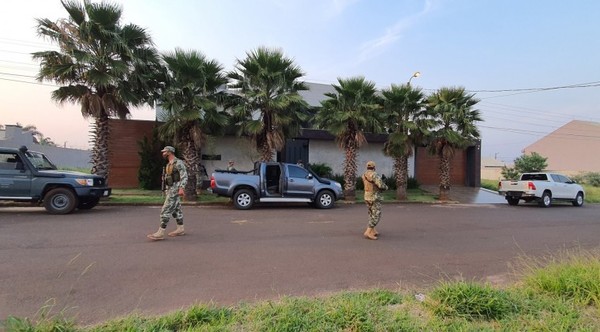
<point x="168" y="148"/>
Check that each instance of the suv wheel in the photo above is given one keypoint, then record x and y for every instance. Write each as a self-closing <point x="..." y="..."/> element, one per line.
<point x="578" y="199"/>
<point x="546" y="199"/>
<point x="325" y="200"/>
<point x="60" y="201"/>
<point x="243" y="199"/>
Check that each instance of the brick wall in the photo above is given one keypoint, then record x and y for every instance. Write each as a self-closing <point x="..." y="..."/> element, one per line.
<point x="123" y="151"/>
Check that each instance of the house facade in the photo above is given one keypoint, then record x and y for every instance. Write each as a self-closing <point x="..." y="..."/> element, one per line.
<point x="311" y="146"/>
<point x="570" y="149"/>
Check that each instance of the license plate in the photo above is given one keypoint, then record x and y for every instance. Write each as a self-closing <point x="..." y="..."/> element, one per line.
<point x="105" y="193"/>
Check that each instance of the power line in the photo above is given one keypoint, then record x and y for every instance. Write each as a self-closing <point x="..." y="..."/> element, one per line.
<point x="35" y="83"/>
<point x="19" y="75"/>
<point x="571" y="86"/>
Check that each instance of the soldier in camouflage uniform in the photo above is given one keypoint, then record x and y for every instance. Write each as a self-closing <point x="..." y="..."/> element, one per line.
<point x="373" y="187"/>
<point x="174" y="180"/>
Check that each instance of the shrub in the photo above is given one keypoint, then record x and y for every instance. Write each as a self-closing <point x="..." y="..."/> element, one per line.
<point x="589" y="178"/>
<point x="321" y="169"/>
<point x="150" y="171"/>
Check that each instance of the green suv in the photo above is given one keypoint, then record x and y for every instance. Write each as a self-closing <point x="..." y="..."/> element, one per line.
<point x="29" y="176"/>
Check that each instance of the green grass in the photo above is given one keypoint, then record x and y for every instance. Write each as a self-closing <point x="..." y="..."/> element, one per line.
<point x="140" y="196"/>
<point x="559" y="293"/>
<point x="413" y="195"/>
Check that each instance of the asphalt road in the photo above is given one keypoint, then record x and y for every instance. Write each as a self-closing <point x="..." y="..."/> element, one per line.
<point x="98" y="264"/>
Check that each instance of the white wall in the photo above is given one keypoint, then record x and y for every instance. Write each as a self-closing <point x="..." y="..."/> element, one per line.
<point x="243" y="152"/>
<point x="239" y="149"/>
<point x="328" y="152"/>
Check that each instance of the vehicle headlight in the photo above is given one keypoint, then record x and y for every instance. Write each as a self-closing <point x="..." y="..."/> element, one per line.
<point x="85" y="182"/>
<point x="337" y="184"/>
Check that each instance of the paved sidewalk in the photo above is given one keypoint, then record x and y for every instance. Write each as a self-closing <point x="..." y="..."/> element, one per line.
<point x="469" y="195"/>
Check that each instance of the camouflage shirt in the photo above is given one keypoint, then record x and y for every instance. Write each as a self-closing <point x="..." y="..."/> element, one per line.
<point x="373" y="185"/>
<point x="179" y="166"/>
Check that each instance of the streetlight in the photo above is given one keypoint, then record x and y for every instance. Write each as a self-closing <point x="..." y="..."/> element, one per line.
<point x="416" y="74"/>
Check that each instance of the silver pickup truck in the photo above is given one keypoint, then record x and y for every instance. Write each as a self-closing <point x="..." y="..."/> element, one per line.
<point x="275" y="182"/>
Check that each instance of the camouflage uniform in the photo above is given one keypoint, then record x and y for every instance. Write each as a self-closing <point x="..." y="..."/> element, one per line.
<point x="373" y="187"/>
<point x="172" y="205"/>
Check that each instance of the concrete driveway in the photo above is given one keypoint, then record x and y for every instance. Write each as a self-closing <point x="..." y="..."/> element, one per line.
<point x="469" y="195"/>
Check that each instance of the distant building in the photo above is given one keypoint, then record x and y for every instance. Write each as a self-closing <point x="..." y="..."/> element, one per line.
<point x="571" y="149"/>
<point x="491" y="168"/>
<point x="13" y="136"/>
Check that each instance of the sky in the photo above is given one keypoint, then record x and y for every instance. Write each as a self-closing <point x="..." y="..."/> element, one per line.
<point x="534" y="65"/>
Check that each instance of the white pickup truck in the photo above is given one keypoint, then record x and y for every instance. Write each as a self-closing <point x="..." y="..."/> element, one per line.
<point x="543" y="188"/>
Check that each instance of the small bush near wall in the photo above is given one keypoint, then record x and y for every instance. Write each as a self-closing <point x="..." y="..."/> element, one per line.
<point x="321" y="169"/>
<point x="150" y="172"/>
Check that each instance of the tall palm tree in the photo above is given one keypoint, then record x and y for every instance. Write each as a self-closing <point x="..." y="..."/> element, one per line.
<point x="102" y="65"/>
<point x="269" y="107"/>
<point x="452" y="108"/>
<point x="407" y="126"/>
<point x="190" y="101"/>
<point x="347" y="114"/>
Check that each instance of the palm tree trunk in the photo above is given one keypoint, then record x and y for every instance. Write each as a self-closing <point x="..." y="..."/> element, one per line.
<point x="350" y="172"/>
<point x="444" y="178"/>
<point x="266" y="153"/>
<point x="401" y="172"/>
<point x="192" y="160"/>
<point x="99" y="137"/>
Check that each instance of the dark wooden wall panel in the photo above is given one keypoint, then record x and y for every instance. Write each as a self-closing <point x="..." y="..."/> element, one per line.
<point x="123" y="151"/>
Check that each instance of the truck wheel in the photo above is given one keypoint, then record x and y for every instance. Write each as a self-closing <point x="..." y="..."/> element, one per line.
<point x="512" y="201"/>
<point x="60" y="201"/>
<point x="89" y="203"/>
<point x="546" y="199"/>
<point x="243" y="199"/>
<point x="324" y="200"/>
<point x="578" y="199"/>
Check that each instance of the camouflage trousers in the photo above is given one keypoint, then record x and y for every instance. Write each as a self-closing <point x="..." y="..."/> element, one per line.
<point x="374" y="212"/>
<point x="171" y="207"/>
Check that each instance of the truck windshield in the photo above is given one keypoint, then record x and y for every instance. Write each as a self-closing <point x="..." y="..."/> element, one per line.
<point x="39" y="161"/>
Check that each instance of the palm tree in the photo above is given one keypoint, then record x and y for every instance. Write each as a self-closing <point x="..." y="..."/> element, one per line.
<point x="269" y="107"/>
<point x="102" y="65"/>
<point x="347" y="114"/>
<point x="407" y="125"/>
<point x="452" y="110"/>
<point x="190" y="101"/>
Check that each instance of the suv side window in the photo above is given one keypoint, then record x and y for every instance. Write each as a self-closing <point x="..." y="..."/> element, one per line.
<point x="9" y="161"/>
<point x="297" y="172"/>
<point x="564" y="179"/>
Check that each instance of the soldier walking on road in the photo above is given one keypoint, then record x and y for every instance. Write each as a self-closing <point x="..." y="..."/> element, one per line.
<point x="174" y="179"/>
<point x="373" y="188"/>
